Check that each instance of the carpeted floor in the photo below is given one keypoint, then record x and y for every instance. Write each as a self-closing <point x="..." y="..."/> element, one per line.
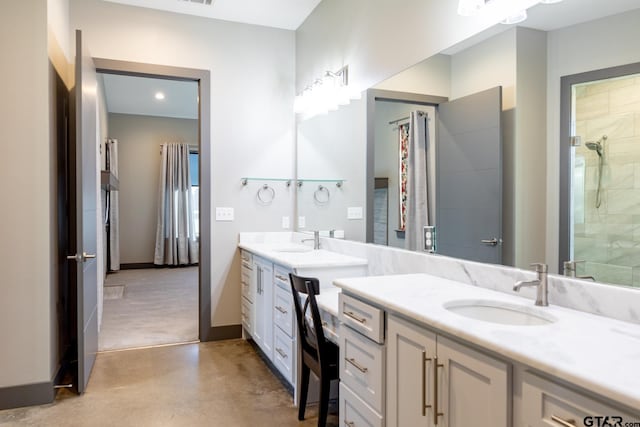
<point x="149" y="307"/>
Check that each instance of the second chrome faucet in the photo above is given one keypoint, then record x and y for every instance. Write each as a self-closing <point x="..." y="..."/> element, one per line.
<point x="541" y="284"/>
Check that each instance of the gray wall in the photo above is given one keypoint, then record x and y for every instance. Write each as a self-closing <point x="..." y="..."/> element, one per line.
<point x="139" y="139"/>
<point x="611" y="42"/>
<point x="28" y="255"/>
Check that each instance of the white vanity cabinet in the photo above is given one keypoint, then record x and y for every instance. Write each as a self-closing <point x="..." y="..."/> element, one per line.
<point x="434" y="381"/>
<point x="248" y="291"/>
<point x="361" y="363"/>
<point x="284" y="347"/>
<point x="263" y="306"/>
<point x="547" y="404"/>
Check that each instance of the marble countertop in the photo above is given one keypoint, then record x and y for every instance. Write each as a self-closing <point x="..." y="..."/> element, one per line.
<point x="296" y="255"/>
<point x="594" y="352"/>
<point x="328" y="300"/>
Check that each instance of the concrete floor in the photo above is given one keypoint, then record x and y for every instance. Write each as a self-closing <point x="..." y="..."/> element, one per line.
<point x="158" y="306"/>
<point x="222" y="384"/>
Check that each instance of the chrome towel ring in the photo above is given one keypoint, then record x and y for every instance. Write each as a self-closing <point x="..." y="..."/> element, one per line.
<point x="322" y="195"/>
<point x="266" y="194"/>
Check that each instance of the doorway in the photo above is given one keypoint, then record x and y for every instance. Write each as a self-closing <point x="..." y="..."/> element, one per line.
<point x="201" y="152"/>
<point x="600" y="176"/>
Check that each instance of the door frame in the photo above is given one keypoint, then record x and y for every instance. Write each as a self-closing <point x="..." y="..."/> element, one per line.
<point x="203" y="78"/>
<point x="566" y="82"/>
<point x="374" y="95"/>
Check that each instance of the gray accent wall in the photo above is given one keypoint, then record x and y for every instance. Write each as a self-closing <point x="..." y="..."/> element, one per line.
<point x="28" y="258"/>
<point x="139" y="139"/>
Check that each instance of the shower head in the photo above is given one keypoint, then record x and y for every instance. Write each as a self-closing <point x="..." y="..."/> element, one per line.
<point x="594" y="146"/>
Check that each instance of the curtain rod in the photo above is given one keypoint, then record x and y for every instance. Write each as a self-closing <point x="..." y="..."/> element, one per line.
<point x="392" y="122"/>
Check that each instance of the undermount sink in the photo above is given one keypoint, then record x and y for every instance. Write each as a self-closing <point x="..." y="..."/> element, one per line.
<point x="293" y="248"/>
<point x="499" y="312"/>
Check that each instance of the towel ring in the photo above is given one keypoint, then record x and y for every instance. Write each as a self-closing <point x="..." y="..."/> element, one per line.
<point x="322" y="195"/>
<point x="265" y="195"/>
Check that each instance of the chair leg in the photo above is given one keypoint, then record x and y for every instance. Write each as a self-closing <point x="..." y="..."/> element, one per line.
<point x="304" y="389"/>
<point x="325" y="389"/>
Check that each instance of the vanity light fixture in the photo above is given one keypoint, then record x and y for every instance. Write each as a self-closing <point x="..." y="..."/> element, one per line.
<point x="510" y="11"/>
<point x="159" y="96"/>
<point x="325" y="94"/>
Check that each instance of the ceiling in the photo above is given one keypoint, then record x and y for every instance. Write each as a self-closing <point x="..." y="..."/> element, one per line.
<point x="136" y="95"/>
<point x="286" y="14"/>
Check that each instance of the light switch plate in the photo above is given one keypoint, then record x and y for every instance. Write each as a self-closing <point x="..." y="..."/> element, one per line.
<point x="354" y="212"/>
<point x="224" y="214"/>
<point x="302" y="222"/>
<point x="285" y="222"/>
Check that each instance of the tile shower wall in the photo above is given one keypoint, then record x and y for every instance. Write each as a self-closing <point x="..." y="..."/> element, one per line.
<point x="608" y="238"/>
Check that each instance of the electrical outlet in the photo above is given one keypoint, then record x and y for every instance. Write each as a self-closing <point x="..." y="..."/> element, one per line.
<point x="224" y="214"/>
<point x="354" y="213"/>
<point x="285" y="222"/>
<point x="302" y="222"/>
<point x="429" y="236"/>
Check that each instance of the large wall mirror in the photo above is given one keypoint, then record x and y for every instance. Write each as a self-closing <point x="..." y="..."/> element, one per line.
<point x="350" y="160"/>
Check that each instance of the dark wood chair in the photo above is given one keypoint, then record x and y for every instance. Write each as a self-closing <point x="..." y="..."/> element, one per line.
<point x="318" y="354"/>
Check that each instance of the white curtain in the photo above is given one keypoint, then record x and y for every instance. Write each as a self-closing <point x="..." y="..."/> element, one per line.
<point x="418" y="214"/>
<point x="114" y="209"/>
<point x="176" y="241"/>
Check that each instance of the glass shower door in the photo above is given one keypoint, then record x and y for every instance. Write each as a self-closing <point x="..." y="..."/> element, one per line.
<point x="605" y="180"/>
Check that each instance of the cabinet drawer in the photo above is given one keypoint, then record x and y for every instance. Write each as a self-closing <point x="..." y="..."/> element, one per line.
<point x="283" y="310"/>
<point x="283" y="354"/>
<point x="362" y="317"/>
<point x="362" y="367"/>
<point x="247" y="314"/>
<point x="281" y="277"/>
<point x="245" y="280"/>
<point x="548" y="404"/>
<point x="355" y="413"/>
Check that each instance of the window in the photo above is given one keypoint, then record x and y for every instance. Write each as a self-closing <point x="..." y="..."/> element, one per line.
<point x="195" y="190"/>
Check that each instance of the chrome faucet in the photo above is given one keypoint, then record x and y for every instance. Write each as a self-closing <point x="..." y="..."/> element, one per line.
<point x="316" y="239"/>
<point x="540" y="282"/>
<point x="569" y="270"/>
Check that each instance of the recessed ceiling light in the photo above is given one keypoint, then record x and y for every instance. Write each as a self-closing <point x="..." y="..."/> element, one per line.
<point x="159" y="96"/>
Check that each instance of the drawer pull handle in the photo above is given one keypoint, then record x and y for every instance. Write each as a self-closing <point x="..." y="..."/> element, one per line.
<point x="425" y="359"/>
<point x="349" y="423"/>
<point x="281" y="353"/>
<point x="284" y="279"/>
<point x="352" y="315"/>
<point x="281" y="310"/>
<point x="357" y="365"/>
<point x="436" y="414"/>
<point x="563" y="423"/>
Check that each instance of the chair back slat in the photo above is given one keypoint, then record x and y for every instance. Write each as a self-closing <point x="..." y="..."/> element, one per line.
<point x="312" y="334"/>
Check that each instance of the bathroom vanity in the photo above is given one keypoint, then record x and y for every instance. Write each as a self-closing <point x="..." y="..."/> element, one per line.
<point x="268" y="314"/>
<point x="419" y="350"/>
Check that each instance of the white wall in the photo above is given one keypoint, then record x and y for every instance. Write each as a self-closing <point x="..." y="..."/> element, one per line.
<point x="379" y="38"/>
<point x="252" y="123"/>
<point x="603" y="43"/>
<point x="28" y="269"/>
<point x="431" y="76"/>
<point x="139" y="139"/>
<point x="333" y="146"/>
